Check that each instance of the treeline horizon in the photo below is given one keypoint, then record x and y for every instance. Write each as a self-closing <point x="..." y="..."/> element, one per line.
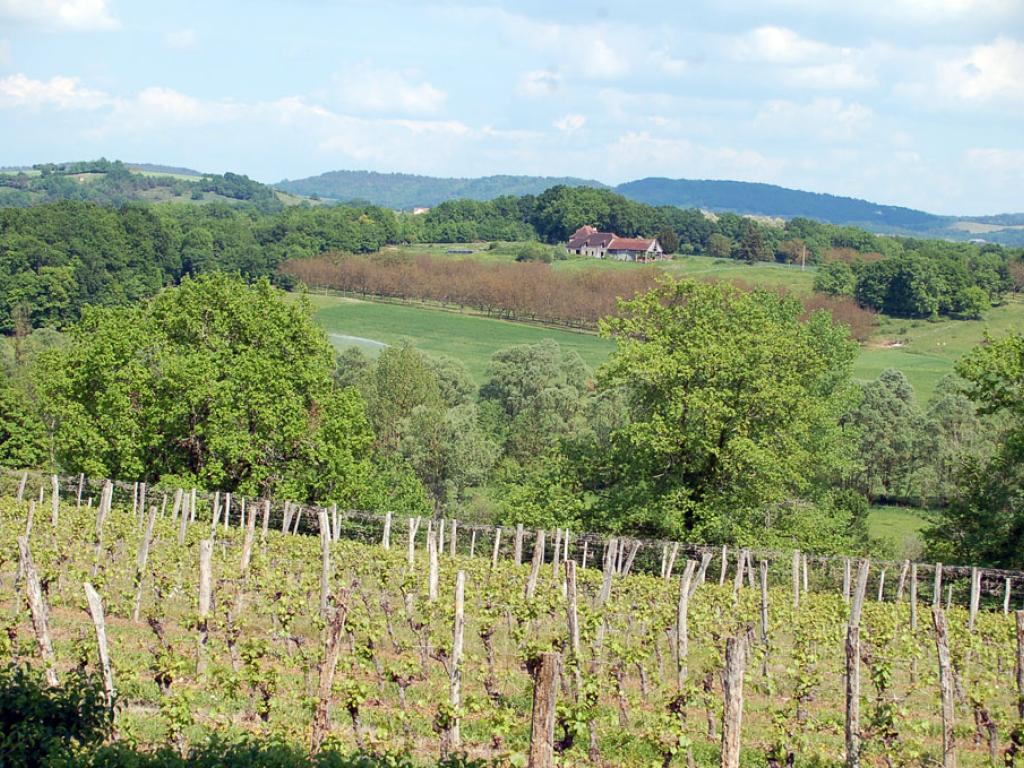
<point x="58" y="257"/>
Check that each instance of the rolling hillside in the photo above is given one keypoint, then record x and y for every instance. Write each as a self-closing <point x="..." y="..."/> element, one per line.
<point x="405" y="191"/>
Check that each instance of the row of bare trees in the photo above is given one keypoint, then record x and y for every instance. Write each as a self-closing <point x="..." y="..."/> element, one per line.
<point x="531" y="291"/>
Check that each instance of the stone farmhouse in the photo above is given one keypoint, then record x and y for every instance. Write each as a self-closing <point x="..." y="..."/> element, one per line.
<point x="587" y="241"/>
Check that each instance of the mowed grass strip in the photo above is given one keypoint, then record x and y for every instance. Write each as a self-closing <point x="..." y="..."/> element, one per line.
<point x="469" y="338"/>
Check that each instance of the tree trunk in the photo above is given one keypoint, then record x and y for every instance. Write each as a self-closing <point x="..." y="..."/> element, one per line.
<point x="542" y="729"/>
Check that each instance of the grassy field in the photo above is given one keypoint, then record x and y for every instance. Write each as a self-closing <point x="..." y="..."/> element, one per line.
<point x="899" y="527"/>
<point x="926" y="351"/>
<point x="468" y="338"/>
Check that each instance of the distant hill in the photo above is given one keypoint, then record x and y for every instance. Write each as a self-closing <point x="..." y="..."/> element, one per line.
<point x="771" y="200"/>
<point x="404" y="191"/>
<point x="115" y="183"/>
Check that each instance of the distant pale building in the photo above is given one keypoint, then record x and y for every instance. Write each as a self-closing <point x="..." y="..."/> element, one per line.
<point x="587" y="241"/>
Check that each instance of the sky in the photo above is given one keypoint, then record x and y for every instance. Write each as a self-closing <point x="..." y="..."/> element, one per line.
<point x="906" y="102"/>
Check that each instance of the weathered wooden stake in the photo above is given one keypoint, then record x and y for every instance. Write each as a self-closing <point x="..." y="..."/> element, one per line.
<point x="667" y="576"/>
<point x="517" y="552"/>
<point x="852" y="732"/>
<point x="205" y="600"/>
<point x="542" y="728"/>
<point x="913" y="596"/>
<point x="455" y="678"/>
<point x="21" y="487"/>
<point x="54" y="500"/>
<point x="266" y="520"/>
<point x="975" y="597"/>
<point x="573" y="625"/>
<point x="99" y="623"/>
<point x="682" y="624"/>
<point x="732" y="690"/>
<point x="497" y="546"/>
<point x="535" y="564"/>
<point x="904" y="570"/>
<point x="937" y="588"/>
<point x="764" y="601"/>
<point x="185" y="517"/>
<point x="946" y="687"/>
<point x="452" y="545"/>
<point x="881" y="585"/>
<point x="556" y="553"/>
<point x="332" y="649"/>
<point x="609" y="568"/>
<point x="386" y="538"/>
<point x="1006" y="597"/>
<point x="796" y="578"/>
<point x="37" y="607"/>
<point x="725" y="566"/>
<point x="81" y="485"/>
<point x="432" y="575"/>
<point x="325" y="563"/>
<point x="140" y="563"/>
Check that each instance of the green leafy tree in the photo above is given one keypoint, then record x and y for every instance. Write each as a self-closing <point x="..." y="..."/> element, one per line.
<point x="22" y="434"/>
<point x="669" y="239"/>
<point x="753" y="245"/>
<point x="984" y="522"/>
<point x="400" y="381"/>
<point x="448" y="450"/>
<point x="836" y="279"/>
<point x="733" y="405"/>
<point x="719" y="246"/>
<point x="895" y="441"/>
<point x="217" y="381"/>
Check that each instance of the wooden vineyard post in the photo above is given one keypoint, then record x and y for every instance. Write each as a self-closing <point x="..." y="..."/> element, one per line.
<point x="432" y="575"/>
<point x="573" y="625"/>
<point x="732" y="691"/>
<point x="497" y="546"/>
<point x="881" y="585"/>
<point x="336" y="524"/>
<point x="682" y="624"/>
<point x="247" y="542"/>
<point x="804" y="563"/>
<point x="937" y="588"/>
<point x="737" y="583"/>
<point x="192" y="506"/>
<point x="176" y="508"/>
<point x="440" y="536"/>
<point x="21" y="487"/>
<point x="667" y="575"/>
<point x="266" y="521"/>
<point x="472" y="542"/>
<point x="517" y="552"/>
<point x="853" y="669"/>
<point x="764" y="601"/>
<point x="535" y="565"/>
<point x="410" y="555"/>
<point x="556" y="555"/>
<point x="386" y="537"/>
<point x="1019" y="664"/>
<point x="946" y="687"/>
<point x="205" y="599"/>
<point x="37" y="607"/>
<point x="705" y="561"/>
<point x="455" y="679"/>
<point x="542" y="728"/>
<point x="903" y="580"/>
<point x="796" y="578"/>
<point x="609" y="566"/>
<point x="325" y="562"/>
<point x="975" y="597"/>
<point x="913" y="596"/>
<point x="583" y="562"/>
<point x="186" y="512"/>
<point x="54" y="500"/>
<point x="332" y="649"/>
<point x="1006" y="597"/>
<point x="454" y="538"/>
<point x="725" y="566"/>
<point x="99" y="623"/>
<point x="81" y="486"/>
<point x="846" y="580"/>
<point x="141" y="561"/>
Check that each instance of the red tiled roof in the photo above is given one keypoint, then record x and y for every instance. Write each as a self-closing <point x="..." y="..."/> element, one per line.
<point x="629" y="244"/>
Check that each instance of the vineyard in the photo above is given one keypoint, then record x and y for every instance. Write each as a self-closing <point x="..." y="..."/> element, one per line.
<point x="212" y="617"/>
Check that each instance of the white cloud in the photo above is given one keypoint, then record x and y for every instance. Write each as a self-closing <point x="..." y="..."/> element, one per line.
<point x="830" y="119"/>
<point x="6" y="57"/>
<point x="801" y="61"/>
<point x="640" y="153"/>
<point x="71" y="14"/>
<point x="990" y="72"/>
<point x="367" y="89"/>
<point x="539" y="82"/>
<point x="60" y="92"/>
<point x="181" y="39"/>
<point x="778" y="45"/>
<point x="1002" y="161"/>
<point x="570" y="123"/>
